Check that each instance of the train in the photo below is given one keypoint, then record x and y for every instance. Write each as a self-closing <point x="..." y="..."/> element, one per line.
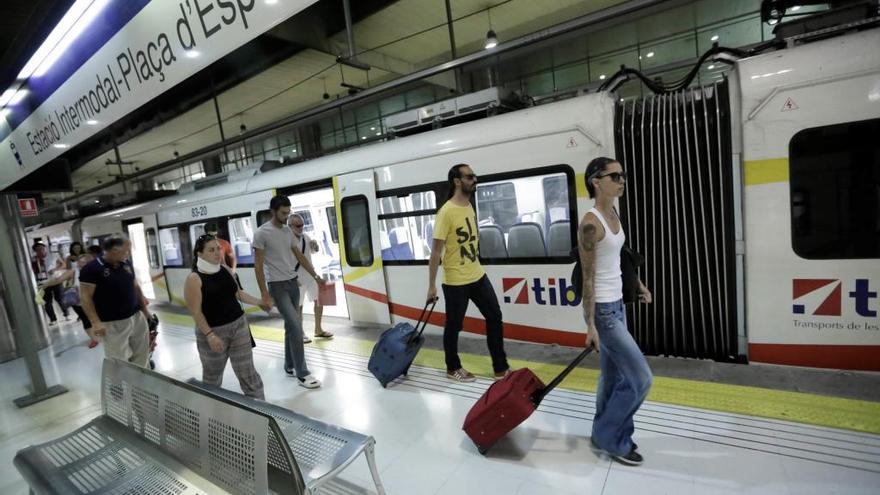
<point x="755" y="202"/>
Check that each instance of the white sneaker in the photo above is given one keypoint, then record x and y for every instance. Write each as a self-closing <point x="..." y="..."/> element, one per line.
<point x="309" y="382"/>
<point x="306" y="339"/>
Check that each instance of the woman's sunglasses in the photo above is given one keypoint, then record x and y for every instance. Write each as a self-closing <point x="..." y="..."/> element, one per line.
<point x="615" y="176"/>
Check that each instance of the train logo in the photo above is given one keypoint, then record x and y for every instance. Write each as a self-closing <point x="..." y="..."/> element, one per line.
<point x="831" y="305"/>
<point x="545" y="292"/>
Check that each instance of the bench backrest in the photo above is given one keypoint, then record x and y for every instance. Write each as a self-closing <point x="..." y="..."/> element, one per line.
<point x="218" y="439"/>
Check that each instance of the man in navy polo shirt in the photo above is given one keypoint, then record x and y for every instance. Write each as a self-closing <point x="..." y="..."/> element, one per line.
<point x="113" y="301"/>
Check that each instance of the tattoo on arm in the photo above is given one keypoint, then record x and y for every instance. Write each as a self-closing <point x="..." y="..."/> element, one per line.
<point x="587" y="251"/>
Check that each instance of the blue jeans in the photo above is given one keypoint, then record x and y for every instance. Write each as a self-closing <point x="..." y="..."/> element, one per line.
<point x="624" y="380"/>
<point x="286" y="296"/>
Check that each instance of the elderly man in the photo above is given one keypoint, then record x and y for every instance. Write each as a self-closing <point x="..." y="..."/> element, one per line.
<point x="112" y="299"/>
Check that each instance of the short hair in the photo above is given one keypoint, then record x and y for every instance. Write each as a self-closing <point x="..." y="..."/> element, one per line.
<point x="278" y="201"/>
<point x="212" y="227"/>
<point x="594" y="168"/>
<point x="94" y="250"/>
<point x="113" y="241"/>
<point x="296" y="215"/>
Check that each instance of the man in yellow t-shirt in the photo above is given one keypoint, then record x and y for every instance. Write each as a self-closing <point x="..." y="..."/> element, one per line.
<point x="457" y="240"/>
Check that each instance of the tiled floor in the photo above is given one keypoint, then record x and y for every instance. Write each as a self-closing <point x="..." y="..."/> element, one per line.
<point x="422" y="450"/>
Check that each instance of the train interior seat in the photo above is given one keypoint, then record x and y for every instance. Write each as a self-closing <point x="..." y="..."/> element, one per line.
<point x="526" y="240"/>
<point x="492" y="242"/>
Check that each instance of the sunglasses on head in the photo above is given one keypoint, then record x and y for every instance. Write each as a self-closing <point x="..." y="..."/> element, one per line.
<point x="205" y="238"/>
<point x="615" y="176"/>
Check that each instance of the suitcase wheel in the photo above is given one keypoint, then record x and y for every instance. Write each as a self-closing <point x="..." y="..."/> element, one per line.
<point x="482" y="450"/>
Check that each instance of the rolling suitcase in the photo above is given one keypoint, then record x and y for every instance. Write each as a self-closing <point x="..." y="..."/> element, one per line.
<point x="508" y="402"/>
<point x="397" y="347"/>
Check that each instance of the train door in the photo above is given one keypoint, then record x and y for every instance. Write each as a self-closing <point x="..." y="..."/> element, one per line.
<point x="318" y="211"/>
<point x="144" y="259"/>
<point x="358" y="228"/>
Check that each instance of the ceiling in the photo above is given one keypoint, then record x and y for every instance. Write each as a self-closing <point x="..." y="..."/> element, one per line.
<point x="400" y="37"/>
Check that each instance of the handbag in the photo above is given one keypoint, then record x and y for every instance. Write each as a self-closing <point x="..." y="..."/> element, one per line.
<point x="630" y="261"/>
<point x="70" y="297"/>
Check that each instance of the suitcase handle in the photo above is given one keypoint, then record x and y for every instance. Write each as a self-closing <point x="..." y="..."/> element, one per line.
<point x="423" y="319"/>
<point x="539" y="395"/>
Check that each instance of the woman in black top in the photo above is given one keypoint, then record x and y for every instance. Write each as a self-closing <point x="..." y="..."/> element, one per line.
<point x="222" y="333"/>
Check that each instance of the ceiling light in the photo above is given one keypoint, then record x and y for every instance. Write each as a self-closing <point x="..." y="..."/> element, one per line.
<point x="796" y="8"/>
<point x="271" y="2"/>
<point x="19" y="96"/>
<point x="92" y="122"/>
<point x="711" y="67"/>
<point x="6" y="96"/>
<point x="602" y="77"/>
<point x="60" y="146"/>
<point x="363" y="137"/>
<point x="378" y="133"/>
<point x="491" y="39"/>
<point x="192" y="53"/>
<point x="372" y="128"/>
<point x="650" y="54"/>
<point x="5" y="113"/>
<point x="97" y="201"/>
<point x="772" y="22"/>
<point x="293" y="150"/>
<point x="714" y="38"/>
<point x="74" y="22"/>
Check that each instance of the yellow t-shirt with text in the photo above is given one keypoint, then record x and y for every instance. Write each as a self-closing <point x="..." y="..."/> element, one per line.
<point x="457" y="225"/>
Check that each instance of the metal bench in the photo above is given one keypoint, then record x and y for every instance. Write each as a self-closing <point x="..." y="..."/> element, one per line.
<point x="321" y="450"/>
<point x="160" y="435"/>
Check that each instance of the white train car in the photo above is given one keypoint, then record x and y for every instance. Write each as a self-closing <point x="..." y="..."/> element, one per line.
<point x="750" y="270"/>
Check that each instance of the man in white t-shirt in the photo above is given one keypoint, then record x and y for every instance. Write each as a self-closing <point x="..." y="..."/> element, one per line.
<point x="275" y="260"/>
<point x="307" y="285"/>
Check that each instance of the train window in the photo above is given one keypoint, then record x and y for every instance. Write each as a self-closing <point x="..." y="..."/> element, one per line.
<point x="406" y="223"/>
<point x="196" y="230"/>
<point x="356" y="231"/>
<point x="241" y="236"/>
<point x="526" y="216"/>
<point x="306" y="215"/>
<point x="496" y="204"/>
<point x="834" y="176"/>
<point x="331" y="220"/>
<point x="263" y="216"/>
<point x="152" y="248"/>
<point x="169" y="241"/>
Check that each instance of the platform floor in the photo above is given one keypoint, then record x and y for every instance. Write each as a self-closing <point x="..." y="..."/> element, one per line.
<point x="422" y="450"/>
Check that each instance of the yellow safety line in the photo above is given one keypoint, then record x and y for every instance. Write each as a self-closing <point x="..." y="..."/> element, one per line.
<point x="766" y="171"/>
<point x="834" y="412"/>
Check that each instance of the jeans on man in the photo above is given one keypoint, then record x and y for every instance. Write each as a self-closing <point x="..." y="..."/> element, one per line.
<point x="624" y="380"/>
<point x="483" y="295"/>
<point x="286" y="296"/>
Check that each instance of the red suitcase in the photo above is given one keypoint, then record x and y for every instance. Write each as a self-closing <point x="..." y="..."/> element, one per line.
<point x="509" y="402"/>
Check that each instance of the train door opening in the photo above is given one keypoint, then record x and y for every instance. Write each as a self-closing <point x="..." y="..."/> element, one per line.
<point x="140" y="257"/>
<point x="318" y="211"/>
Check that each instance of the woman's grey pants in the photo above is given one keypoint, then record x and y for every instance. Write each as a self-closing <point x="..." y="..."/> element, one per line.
<point x="237" y="338"/>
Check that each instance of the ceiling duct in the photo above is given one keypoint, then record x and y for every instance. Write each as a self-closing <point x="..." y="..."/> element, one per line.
<point x="452" y="111"/>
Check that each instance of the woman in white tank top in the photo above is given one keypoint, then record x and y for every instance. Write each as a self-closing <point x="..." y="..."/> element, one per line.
<point x="624" y="378"/>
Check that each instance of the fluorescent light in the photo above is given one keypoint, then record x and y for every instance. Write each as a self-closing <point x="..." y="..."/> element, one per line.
<point x="650" y="54"/>
<point x="271" y="2"/>
<point x="192" y="53"/>
<point x="372" y="128"/>
<point x="378" y="133"/>
<point x="6" y="96"/>
<point x="293" y="150"/>
<point x="602" y="77"/>
<point x="796" y="8"/>
<point x="714" y="38"/>
<point x="19" y="96"/>
<point x="783" y="71"/>
<point x="92" y="122"/>
<point x="4" y="113"/>
<point x="363" y="137"/>
<point x="75" y="25"/>
<point x="60" y="146"/>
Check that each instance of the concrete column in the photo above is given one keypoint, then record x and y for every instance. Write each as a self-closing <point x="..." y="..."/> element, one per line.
<point x="20" y="286"/>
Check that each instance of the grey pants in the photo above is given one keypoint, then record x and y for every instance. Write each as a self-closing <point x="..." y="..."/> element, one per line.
<point x="128" y="340"/>
<point x="237" y="338"/>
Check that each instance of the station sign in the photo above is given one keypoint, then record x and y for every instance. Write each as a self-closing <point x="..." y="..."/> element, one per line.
<point x="130" y="53"/>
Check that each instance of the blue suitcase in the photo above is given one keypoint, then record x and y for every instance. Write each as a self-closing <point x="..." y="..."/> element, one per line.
<point x="397" y="348"/>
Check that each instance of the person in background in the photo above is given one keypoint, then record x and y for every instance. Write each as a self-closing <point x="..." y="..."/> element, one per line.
<point x="113" y="302"/>
<point x="95" y="251"/>
<point x="212" y="295"/>
<point x="68" y="280"/>
<point x="43" y="273"/>
<point x="306" y="284"/>
<point x="456" y="240"/>
<point x="227" y="258"/>
<point x="624" y="375"/>
<point x="76" y="249"/>
<point x="275" y="258"/>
